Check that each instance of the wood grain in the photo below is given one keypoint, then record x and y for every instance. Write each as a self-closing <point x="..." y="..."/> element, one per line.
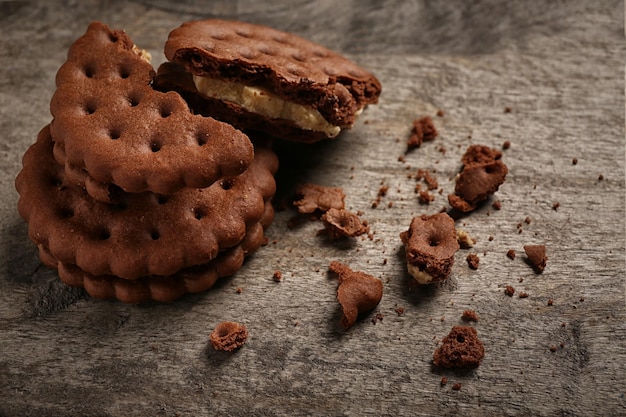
<point x="558" y="67"/>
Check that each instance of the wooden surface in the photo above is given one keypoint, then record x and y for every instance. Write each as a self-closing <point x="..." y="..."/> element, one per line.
<point x="558" y="66"/>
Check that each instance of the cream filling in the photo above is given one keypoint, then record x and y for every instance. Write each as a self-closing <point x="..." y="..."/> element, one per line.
<point x="143" y="54"/>
<point x="420" y="276"/>
<point x="260" y="101"/>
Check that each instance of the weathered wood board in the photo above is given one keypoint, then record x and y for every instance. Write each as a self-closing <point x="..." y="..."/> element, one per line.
<point x="558" y="67"/>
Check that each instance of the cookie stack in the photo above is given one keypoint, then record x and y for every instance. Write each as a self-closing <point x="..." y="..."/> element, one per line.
<point x="144" y="186"/>
<point x="129" y="194"/>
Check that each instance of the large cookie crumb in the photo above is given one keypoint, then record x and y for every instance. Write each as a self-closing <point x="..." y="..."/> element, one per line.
<point x="430" y="245"/>
<point x="340" y="223"/>
<point x="229" y="336"/>
<point x="473" y="260"/>
<point x="482" y="174"/>
<point x="461" y="348"/>
<point x="537" y="256"/>
<point x="315" y="197"/>
<point x="357" y="293"/>
<point x="469" y="315"/>
<point x="423" y="130"/>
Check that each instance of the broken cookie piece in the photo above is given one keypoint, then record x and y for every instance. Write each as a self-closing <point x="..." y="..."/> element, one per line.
<point x="228" y="336"/>
<point x="482" y="174"/>
<point x="536" y="256"/>
<point x="461" y="348"/>
<point x="430" y="245"/>
<point x="357" y="293"/>
<point x="315" y="197"/>
<point x="340" y="223"/>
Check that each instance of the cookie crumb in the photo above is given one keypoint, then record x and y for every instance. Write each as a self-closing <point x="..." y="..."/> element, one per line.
<point x="423" y="130"/>
<point x="431" y="182"/>
<point x="506" y="145"/>
<point x="536" y="256"/>
<point x="399" y="311"/>
<point x="239" y="290"/>
<point x="377" y="317"/>
<point x="440" y="113"/>
<point x="510" y="254"/>
<point x="278" y="276"/>
<point x="600" y="177"/>
<point x="318" y="198"/>
<point x="473" y="260"/>
<point x="550" y="302"/>
<point x="507" y="110"/>
<point x="508" y="290"/>
<point x="482" y="174"/>
<point x="425" y="197"/>
<point x="341" y="223"/>
<point x="497" y="205"/>
<point x="469" y="315"/>
<point x="461" y="348"/>
<point x="553" y="348"/>
<point x="523" y="294"/>
<point x="430" y="244"/>
<point x="456" y="386"/>
<point x="464" y="239"/>
<point x="443" y="381"/>
<point x="228" y="336"/>
<point x="575" y="161"/>
<point x="556" y="206"/>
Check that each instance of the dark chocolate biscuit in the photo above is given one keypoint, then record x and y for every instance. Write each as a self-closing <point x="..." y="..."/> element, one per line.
<point x="430" y="245"/>
<point x="111" y="123"/>
<point x="168" y="288"/>
<point x="302" y="91"/>
<point x="143" y="233"/>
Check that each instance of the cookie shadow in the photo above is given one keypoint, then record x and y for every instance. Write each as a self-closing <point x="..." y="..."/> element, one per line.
<point x="21" y="255"/>
<point x="296" y="162"/>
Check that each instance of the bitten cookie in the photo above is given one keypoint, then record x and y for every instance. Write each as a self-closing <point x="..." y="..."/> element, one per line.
<point x="357" y="292"/>
<point x="259" y="78"/>
<point x="112" y="124"/>
<point x="430" y="245"/>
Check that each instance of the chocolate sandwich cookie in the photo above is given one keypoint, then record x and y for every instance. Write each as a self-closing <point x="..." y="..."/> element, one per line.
<point x="192" y="279"/>
<point x="143" y="233"/>
<point x="111" y="123"/>
<point x="259" y="78"/>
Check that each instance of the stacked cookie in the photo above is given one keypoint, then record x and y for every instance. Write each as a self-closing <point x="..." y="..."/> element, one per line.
<point x="136" y="191"/>
<point x="129" y="194"/>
